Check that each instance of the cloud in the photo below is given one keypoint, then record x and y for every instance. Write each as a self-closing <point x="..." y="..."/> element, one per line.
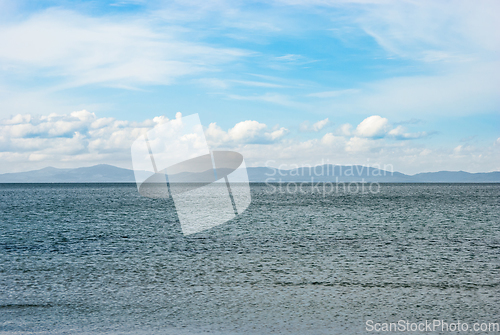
<point x="464" y="91"/>
<point x="289" y="57"/>
<point x="131" y="51"/>
<point x="410" y="121"/>
<point x="257" y="84"/>
<point x="320" y="124"/>
<point x="70" y="138"/>
<point x="304" y="126"/>
<point x="383" y="144"/>
<point x="51" y="126"/>
<point x="359" y="144"/>
<point x="377" y="127"/>
<point x="279" y="99"/>
<point x="373" y="126"/>
<point x="397" y="156"/>
<point x="213" y="83"/>
<point x="83" y="138"/>
<point x="82" y="50"/>
<point x="458" y="149"/>
<point x="330" y="140"/>
<point x="345" y="129"/>
<point x="243" y="132"/>
<point x="433" y="31"/>
<point x="454" y="46"/>
<point x="332" y="94"/>
<point x="246" y="130"/>
<point x="400" y="133"/>
<point x="428" y="31"/>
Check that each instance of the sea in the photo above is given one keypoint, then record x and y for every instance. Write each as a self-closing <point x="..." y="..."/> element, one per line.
<point x="101" y="259"/>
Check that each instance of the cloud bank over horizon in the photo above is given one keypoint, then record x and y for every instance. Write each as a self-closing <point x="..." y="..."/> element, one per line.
<point x="82" y="139"/>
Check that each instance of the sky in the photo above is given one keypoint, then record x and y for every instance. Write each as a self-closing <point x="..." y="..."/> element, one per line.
<point x="414" y="85"/>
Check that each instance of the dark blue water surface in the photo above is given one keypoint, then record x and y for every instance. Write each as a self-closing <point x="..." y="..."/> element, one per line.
<point x="99" y="258"/>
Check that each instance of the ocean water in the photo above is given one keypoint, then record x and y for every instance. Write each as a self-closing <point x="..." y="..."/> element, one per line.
<point x="99" y="258"/>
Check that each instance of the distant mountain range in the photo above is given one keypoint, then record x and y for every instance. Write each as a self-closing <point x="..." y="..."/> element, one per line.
<point x="325" y="173"/>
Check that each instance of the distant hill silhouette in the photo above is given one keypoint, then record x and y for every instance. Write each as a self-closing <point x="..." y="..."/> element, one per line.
<point x="93" y="174"/>
<point x="104" y="173"/>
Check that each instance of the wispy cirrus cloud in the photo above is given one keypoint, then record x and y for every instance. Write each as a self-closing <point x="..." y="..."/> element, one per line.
<point x="279" y="99"/>
<point x="81" y="50"/>
<point x="401" y="133"/>
<point x="428" y="31"/>
<point x="433" y="31"/>
<point x="258" y="84"/>
<point x="332" y="94"/>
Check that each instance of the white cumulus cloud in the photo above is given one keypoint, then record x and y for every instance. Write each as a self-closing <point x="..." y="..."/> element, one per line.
<point x="317" y="126"/>
<point x="68" y="139"/>
<point x="373" y="126"/>
<point x="248" y="131"/>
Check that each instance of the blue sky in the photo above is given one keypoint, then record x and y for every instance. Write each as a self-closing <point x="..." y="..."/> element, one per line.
<point x="411" y="84"/>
